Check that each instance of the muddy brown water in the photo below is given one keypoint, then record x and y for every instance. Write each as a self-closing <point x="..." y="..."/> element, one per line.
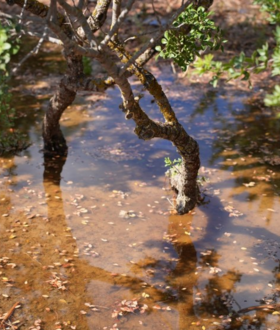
<point x="89" y="242"/>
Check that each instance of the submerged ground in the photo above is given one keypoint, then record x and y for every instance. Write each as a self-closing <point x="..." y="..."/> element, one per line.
<point x="90" y="242"/>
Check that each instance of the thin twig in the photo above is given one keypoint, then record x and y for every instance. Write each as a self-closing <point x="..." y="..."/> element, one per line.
<point x="156" y="14"/>
<point x="34" y="51"/>
<point x="22" y="11"/>
<point x="9" y="314"/>
<point x="118" y="23"/>
<point x="265" y="308"/>
<point x="81" y="19"/>
<point x="116" y="10"/>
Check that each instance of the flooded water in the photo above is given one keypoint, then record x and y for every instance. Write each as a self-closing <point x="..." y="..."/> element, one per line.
<point x="89" y="242"/>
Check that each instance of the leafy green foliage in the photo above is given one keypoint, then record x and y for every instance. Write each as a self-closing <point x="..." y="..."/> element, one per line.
<point x="272" y="7"/>
<point x="238" y="66"/>
<point x="8" y="46"/>
<point x="274" y="98"/>
<point x="10" y="140"/>
<point x="242" y="66"/>
<point x="192" y="32"/>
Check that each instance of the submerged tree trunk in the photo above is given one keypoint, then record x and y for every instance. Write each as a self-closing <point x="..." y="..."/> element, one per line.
<point x="184" y="182"/>
<point x="54" y="141"/>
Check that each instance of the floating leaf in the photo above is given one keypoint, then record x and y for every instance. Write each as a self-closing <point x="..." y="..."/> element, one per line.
<point x="250" y="184"/>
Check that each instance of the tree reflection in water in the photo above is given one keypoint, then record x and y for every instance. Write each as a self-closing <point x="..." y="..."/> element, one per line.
<point x="177" y="284"/>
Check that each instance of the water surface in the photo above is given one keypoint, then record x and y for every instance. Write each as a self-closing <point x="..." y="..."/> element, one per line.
<point x="90" y="242"/>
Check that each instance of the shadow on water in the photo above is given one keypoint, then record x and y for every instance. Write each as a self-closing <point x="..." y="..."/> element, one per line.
<point x="88" y="242"/>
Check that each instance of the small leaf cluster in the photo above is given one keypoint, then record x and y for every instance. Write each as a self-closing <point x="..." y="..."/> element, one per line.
<point x="173" y="165"/>
<point x="10" y="140"/>
<point x="274" y="98"/>
<point x="272" y="7"/>
<point x="192" y="32"/>
<point x="238" y="66"/>
<point x="8" y="46"/>
<point x="242" y="66"/>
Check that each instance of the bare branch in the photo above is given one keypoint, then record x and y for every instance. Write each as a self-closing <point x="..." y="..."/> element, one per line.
<point x="156" y="14"/>
<point x="52" y="12"/>
<point x="70" y="45"/>
<point x="22" y="11"/>
<point x="149" y="82"/>
<point x="118" y="23"/>
<point x="39" y="9"/>
<point x="46" y="38"/>
<point x="99" y="15"/>
<point x="34" y="51"/>
<point x="81" y="19"/>
<point x="116" y="10"/>
<point x="88" y="84"/>
<point x="9" y="17"/>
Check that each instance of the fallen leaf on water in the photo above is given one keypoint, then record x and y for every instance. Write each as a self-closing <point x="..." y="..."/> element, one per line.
<point x="156" y="307"/>
<point x="250" y="184"/>
<point x="115" y="314"/>
<point x="214" y="270"/>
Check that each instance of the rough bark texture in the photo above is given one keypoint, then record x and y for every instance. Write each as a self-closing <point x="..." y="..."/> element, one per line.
<point x="54" y="141"/>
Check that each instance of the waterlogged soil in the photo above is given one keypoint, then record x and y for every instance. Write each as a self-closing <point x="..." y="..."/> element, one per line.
<point x="91" y="241"/>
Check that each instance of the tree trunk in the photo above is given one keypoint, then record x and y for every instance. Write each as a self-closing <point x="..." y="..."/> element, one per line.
<point x="184" y="182"/>
<point x="54" y="141"/>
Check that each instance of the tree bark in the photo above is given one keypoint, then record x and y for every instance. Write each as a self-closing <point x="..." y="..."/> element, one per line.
<point x="184" y="183"/>
<point x="54" y="141"/>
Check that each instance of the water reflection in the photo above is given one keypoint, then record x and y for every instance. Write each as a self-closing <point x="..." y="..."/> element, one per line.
<point x="71" y="247"/>
<point x="179" y="283"/>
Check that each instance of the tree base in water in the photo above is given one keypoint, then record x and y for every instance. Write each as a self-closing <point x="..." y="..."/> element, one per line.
<point x="188" y="194"/>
